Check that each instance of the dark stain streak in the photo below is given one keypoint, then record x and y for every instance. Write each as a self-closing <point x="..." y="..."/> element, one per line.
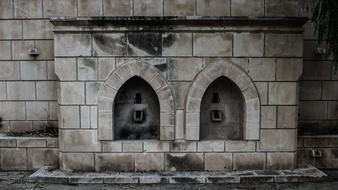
<point x="148" y="42"/>
<point x="169" y="40"/>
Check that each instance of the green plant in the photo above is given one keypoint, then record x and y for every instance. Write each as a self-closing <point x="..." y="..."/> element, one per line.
<point x="325" y="18"/>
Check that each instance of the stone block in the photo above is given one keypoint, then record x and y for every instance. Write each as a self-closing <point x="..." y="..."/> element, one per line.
<point x="9" y="70"/>
<point x="240" y="146"/>
<point x="92" y="90"/>
<point x="149" y="162"/>
<point x="313" y="110"/>
<point x="37" y="110"/>
<point x="132" y="146"/>
<point x="218" y="161"/>
<point x="112" y="146"/>
<point x="283" y="93"/>
<point x="262" y="69"/>
<point x="284" y="45"/>
<point x="117" y="7"/>
<point x="213" y="8"/>
<point x="310" y="90"/>
<point x="210" y="146"/>
<point x="330" y="90"/>
<point x="5" y="50"/>
<point x="85" y="116"/>
<point x="72" y="44"/>
<point x="31" y="142"/>
<point x="72" y="93"/>
<point x="53" y="142"/>
<point x="247" y="8"/>
<point x="105" y="67"/>
<point x="69" y="117"/>
<point x="53" y="8"/>
<point x="155" y="146"/>
<point x="268" y="116"/>
<point x="333" y="110"/>
<point x="89" y="7"/>
<point x="329" y="159"/>
<point x="93" y="117"/>
<point x="51" y="71"/>
<point x="287" y="117"/>
<point x="109" y="44"/>
<point x="212" y="44"/>
<point x="281" y="8"/>
<point x="3" y="91"/>
<point x="28" y="9"/>
<point x="179" y="7"/>
<point x="148" y="8"/>
<point x="278" y="140"/>
<point x="117" y="162"/>
<point x="184" y="162"/>
<point x="248" y="44"/>
<point x="77" y="162"/>
<point x="289" y="69"/>
<point x="40" y="157"/>
<point x="249" y="161"/>
<point x="179" y="125"/>
<point x="187" y="146"/>
<point x="316" y="70"/>
<point x="79" y="140"/>
<point x="144" y="44"/>
<point x="177" y="44"/>
<point x="87" y="68"/>
<point x="281" y="161"/>
<point x="184" y="69"/>
<point x="6" y="9"/>
<point x="33" y="70"/>
<point x="7" y="142"/>
<point x="21" y="91"/>
<point x="53" y="110"/>
<point x="13" y="158"/>
<point x="37" y="29"/>
<point x="10" y="29"/>
<point x="20" y="49"/>
<point x="46" y="48"/>
<point x="65" y="68"/>
<point x="21" y="126"/>
<point x="46" y="90"/>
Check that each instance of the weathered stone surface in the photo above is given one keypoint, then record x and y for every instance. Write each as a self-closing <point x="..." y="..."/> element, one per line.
<point x="283" y="93"/>
<point x="247" y="8"/>
<point x="69" y="117"/>
<point x="72" y="44"/>
<point x="313" y="110"/>
<point x="79" y="140"/>
<point x="21" y="91"/>
<point x="187" y="146"/>
<point x="310" y="90"/>
<point x="278" y="140"/>
<point x="289" y="69"/>
<point x="218" y="161"/>
<point x="179" y="7"/>
<point x="184" y="69"/>
<point x="37" y="110"/>
<point x="109" y="44"/>
<point x="114" y="146"/>
<point x="144" y="44"/>
<point x="268" y="116"/>
<point x="213" y="7"/>
<point x="7" y="142"/>
<point x="329" y="159"/>
<point x="89" y="7"/>
<point x="37" y="29"/>
<point x="28" y="9"/>
<point x="284" y="45"/>
<point x="117" y="7"/>
<point x="332" y="110"/>
<point x="282" y="8"/>
<point x="92" y="90"/>
<point x="39" y="157"/>
<point x="13" y="158"/>
<point x="3" y="91"/>
<point x="31" y="142"/>
<point x="262" y="69"/>
<point x="280" y="161"/>
<point x="330" y="90"/>
<point x="46" y="90"/>
<point x="149" y="162"/>
<point x="248" y="44"/>
<point x="148" y="8"/>
<point x="6" y="9"/>
<point x="52" y="8"/>
<point x="155" y="146"/>
<point x="72" y="93"/>
<point x="117" y="162"/>
<point x="177" y="44"/>
<point x="105" y="67"/>
<point x="240" y="146"/>
<point x="33" y="70"/>
<point x="85" y="116"/>
<point x="77" y="161"/>
<point x="287" y="117"/>
<point x="249" y="161"/>
<point x="184" y="162"/>
<point x="179" y="125"/>
<point x="5" y="50"/>
<point x="65" y="68"/>
<point x="21" y="126"/>
<point x="87" y="68"/>
<point x="316" y="70"/>
<point x="20" y="49"/>
<point x="10" y="29"/>
<point x="212" y="44"/>
<point x="9" y="70"/>
<point x="132" y="146"/>
<point x="46" y="48"/>
<point x="53" y="142"/>
<point x="210" y="146"/>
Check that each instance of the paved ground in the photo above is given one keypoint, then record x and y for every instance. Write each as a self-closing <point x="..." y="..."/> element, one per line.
<point x="18" y="180"/>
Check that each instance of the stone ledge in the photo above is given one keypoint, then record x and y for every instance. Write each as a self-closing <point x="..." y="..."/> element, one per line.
<point x="46" y="175"/>
<point x="28" y="142"/>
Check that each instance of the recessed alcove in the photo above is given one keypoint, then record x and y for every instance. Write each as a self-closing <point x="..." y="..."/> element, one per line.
<point x="222" y="109"/>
